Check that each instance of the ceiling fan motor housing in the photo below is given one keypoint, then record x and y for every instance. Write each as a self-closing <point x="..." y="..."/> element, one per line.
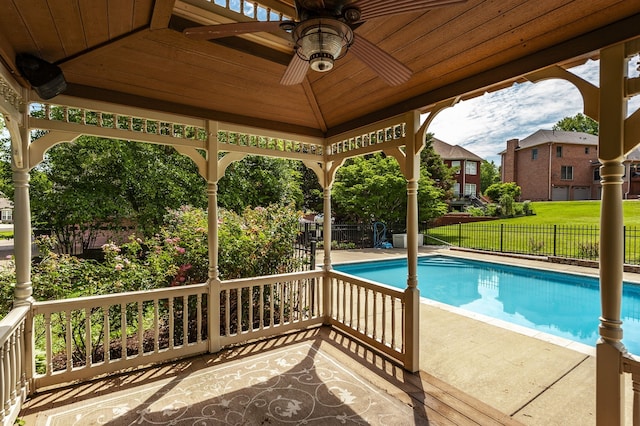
<point x="321" y="41"/>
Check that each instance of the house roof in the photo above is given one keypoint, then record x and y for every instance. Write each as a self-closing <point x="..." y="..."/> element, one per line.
<point x="543" y="137"/>
<point x="453" y="152"/>
<point x="633" y="155"/>
<point x="135" y="53"/>
<point x="5" y="203"/>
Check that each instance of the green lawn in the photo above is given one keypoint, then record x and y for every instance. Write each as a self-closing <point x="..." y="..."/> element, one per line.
<point x="573" y="213"/>
<point x="560" y="228"/>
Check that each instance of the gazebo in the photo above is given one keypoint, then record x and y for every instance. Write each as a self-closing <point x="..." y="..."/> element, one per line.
<point x="181" y="73"/>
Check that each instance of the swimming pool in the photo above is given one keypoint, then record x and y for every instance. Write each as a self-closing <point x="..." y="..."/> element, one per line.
<point x="560" y="304"/>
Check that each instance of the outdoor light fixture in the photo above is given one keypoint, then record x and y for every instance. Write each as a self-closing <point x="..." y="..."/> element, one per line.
<point x="45" y="78"/>
<point x="320" y="41"/>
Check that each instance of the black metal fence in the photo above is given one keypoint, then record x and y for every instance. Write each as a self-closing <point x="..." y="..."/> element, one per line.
<point x="343" y="235"/>
<point x="570" y="241"/>
<point x="304" y="256"/>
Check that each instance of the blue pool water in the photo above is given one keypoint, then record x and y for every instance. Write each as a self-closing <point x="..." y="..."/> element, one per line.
<point x="561" y="304"/>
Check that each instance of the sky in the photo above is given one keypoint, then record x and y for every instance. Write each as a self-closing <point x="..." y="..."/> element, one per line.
<point x="485" y="123"/>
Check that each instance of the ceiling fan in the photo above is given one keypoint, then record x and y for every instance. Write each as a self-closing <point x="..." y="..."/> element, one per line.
<point x="323" y="32"/>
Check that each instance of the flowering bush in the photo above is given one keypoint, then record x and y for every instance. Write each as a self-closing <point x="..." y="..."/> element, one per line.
<point x="184" y="237"/>
<point x="258" y="242"/>
<point x="7" y="283"/>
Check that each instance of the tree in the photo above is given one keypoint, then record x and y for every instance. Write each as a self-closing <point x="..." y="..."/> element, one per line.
<point x="578" y="123"/>
<point x="259" y="181"/>
<point x="489" y="174"/>
<point x="373" y="189"/>
<point x="95" y="183"/>
<point x="6" y="172"/>
<point x="441" y="174"/>
<point x="313" y="197"/>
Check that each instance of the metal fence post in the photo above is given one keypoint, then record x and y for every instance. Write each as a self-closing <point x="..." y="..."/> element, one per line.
<point x="624" y="244"/>
<point x="312" y="256"/>
<point x="501" y="236"/>
<point x="555" y="234"/>
<point x="459" y="234"/>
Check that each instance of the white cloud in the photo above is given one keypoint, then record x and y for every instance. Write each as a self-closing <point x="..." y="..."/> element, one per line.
<point x="484" y="124"/>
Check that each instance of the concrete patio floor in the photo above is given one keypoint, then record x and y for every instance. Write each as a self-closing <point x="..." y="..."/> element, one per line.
<point x="315" y="377"/>
<point x="536" y="378"/>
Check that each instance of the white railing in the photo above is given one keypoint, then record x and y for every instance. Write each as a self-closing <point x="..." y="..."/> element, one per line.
<point x="249" y="9"/>
<point x="83" y="338"/>
<point x="72" y="340"/>
<point x="371" y="312"/>
<point x="133" y="125"/>
<point x="238" y="139"/>
<point x="13" y="377"/>
<point x="261" y="307"/>
<point x="631" y="365"/>
<point x="384" y="135"/>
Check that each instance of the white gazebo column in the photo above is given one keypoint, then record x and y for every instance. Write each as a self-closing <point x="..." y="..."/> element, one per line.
<point x="412" y="174"/>
<point x="214" y="277"/>
<point x="328" y="175"/>
<point x="22" y="238"/>
<point x="326" y="227"/>
<point x="613" y="111"/>
<point x="213" y="302"/>
<point x="23" y="292"/>
<point x="12" y="107"/>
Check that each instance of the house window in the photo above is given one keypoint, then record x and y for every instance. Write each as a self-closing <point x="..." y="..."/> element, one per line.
<point x="558" y="151"/>
<point x="534" y="153"/>
<point x="7" y="215"/>
<point x="470" y="189"/>
<point x="456" y="165"/>
<point x="586" y="149"/>
<point x="596" y="174"/>
<point x="566" y="173"/>
<point x="456" y="189"/>
<point x="471" y="167"/>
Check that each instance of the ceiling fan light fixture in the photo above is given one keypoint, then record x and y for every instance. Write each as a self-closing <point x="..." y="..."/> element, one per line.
<point x="321" y="62"/>
<point x="321" y="41"/>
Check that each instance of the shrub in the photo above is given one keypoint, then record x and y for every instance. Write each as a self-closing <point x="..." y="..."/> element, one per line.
<point x="259" y="242"/>
<point x="7" y="284"/>
<point x="337" y="246"/>
<point x="493" y="210"/>
<point x="476" y="211"/>
<point x="508" y="205"/>
<point x="589" y="250"/>
<point x="517" y="209"/>
<point x="496" y="191"/>
<point x="536" y="246"/>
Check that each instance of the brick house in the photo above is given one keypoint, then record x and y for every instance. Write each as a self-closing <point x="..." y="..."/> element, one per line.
<point x="569" y="163"/>
<point x="631" y="179"/>
<point x="467" y="165"/>
<point x="553" y="165"/>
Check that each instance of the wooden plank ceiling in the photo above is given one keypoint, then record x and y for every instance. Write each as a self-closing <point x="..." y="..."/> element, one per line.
<point x="133" y="51"/>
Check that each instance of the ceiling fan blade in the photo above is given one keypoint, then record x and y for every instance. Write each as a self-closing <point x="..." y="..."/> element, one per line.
<point x="209" y="32"/>
<point x="375" y="8"/>
<point x="296" y="71"/>
<point x="386" y="66"/>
